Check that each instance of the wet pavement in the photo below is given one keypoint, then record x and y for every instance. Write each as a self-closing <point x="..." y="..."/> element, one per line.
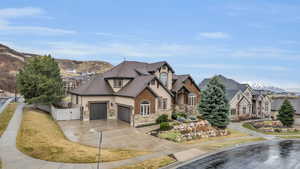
<point x="117" y="134"/>
<point x="269" y="155"/>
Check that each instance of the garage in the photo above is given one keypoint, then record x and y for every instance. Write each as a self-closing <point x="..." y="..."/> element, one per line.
<point x="98" y="111"/>
<point x="124" y="113"/>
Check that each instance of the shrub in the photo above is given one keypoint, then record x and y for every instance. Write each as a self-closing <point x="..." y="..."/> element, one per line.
<point x="170" y="135"/>
<point x="192" y="118"/>
<point x="165" y="126"/>
<point x="162" y="118"/>
<point x="178" y="114"/>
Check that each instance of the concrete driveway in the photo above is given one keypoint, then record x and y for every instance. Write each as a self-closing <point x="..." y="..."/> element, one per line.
<point x="117" y="134"/>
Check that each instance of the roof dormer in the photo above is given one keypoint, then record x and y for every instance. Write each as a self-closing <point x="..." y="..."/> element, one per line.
<point x="117" y="83"/>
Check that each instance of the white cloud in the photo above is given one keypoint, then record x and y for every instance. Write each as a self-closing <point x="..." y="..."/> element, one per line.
<point x="7" y="27"/>
<point x="237" y="66"/>
<point x="20" y="12"/>
<point x="213" y="35"/>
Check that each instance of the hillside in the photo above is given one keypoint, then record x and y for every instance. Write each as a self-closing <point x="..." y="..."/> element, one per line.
<point x="11" y="61"/>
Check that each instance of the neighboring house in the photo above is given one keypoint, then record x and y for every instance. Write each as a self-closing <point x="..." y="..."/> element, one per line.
<point x="137" y="93"/>
<point x="245" y="102"/>
<point x="277" y="103"/>
<point x="72" y="82"/>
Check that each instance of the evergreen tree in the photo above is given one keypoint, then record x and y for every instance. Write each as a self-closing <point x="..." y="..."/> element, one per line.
<point x="213" y="105"/>
<point x="286" y="113"/>
<point x="40" y="82"/>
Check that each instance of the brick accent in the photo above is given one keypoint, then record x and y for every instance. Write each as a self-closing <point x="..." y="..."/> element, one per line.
<point x="147" y="95"/>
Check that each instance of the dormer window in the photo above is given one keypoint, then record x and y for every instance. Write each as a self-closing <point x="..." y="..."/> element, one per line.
<point x="118" y="83"/>
<point x="164" y="78"/>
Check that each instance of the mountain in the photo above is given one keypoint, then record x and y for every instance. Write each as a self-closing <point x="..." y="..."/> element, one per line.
<point x="11" y="61"/>
<point x="260" y="86"/>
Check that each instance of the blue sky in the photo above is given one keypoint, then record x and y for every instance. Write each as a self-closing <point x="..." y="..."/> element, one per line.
<point x="248" y="40"/>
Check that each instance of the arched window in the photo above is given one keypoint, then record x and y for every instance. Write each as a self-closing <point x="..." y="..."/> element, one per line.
<point x="145" y="108"/>
<point x="192" y="99"/>
<point x="164" y="78"/>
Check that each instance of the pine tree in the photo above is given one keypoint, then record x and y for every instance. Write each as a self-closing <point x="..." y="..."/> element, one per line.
<point x="286" y="113"/>
<point x="40" y="82"/>
<point x="213" y="105"/>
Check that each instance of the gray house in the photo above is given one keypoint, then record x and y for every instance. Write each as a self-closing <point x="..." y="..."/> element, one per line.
<point x="245" y="102"/>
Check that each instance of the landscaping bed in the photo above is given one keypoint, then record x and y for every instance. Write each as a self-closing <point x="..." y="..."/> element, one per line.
<point x="6" y="115"/>
<point x="40" y="137"/>
<point x="271" y="127"/>
<point x="187" y="131"/>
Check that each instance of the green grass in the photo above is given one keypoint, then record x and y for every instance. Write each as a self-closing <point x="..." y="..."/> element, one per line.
<point x="229" y="143"/>
<point x="170" y="135"/>
<point x="250" y="127"/>
<point x="5" y="116"/>
<point x="290" y="137"/>
<point x="41" y="137"/>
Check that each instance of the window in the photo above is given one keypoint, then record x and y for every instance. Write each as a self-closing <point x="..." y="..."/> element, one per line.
<point x="164" y="67"/>
<point x="164" y="78"/>
<point x="145" y="108"/>
<point x="244" y="110"/>
<point x="192" y="99"/>
<point x="76" y="99"/>
<point x="153" y="82"/>
<point x="162" y="103"/>
<point x="118" y="83"/>
<point x="233" y="111"/>
<point x="267" y="107"/>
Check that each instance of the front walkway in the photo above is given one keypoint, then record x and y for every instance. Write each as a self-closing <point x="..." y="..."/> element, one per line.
<point x="238" y="126"/>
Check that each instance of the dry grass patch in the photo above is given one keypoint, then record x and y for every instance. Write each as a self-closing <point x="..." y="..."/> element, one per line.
<point x="233" y="134"/>
<point x="153" y="163"/>
<point x="41" y="137"/>
<point x="229" y="143"/>
<point x="6" y="115"/>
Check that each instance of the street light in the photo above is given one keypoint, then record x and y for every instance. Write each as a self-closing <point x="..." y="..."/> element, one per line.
<point x="99" y="132"/>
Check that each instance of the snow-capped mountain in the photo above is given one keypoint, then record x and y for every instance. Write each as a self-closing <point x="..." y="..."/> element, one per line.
<point x="261" y="86"/>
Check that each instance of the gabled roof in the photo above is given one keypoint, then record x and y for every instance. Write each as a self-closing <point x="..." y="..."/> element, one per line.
<point x="231" y="86"/>
<point x="131" y="69"/>
<point x="179" y="82"/>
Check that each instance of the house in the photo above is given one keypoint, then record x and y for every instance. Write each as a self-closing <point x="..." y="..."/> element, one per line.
<point x="72" y="82"/>
<point x="277" y="103"/>
<point x="137" y="93"/>
<point x="245" y="102"/>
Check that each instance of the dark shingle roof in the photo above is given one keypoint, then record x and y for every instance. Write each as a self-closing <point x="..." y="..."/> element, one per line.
<point x="277" y="102"/>
<point x="231" y="86"/>
<point x="131" y="69"/>
<point x="179" y="81"/>
<point x="137" y="71"/>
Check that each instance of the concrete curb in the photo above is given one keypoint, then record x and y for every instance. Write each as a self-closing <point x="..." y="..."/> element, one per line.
<point x="180" y="164"/>
<point x="5" y="104"/>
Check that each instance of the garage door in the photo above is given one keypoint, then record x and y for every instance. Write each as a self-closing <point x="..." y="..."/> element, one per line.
<point x="124" y="113"/>
<point x="98" y="111"/>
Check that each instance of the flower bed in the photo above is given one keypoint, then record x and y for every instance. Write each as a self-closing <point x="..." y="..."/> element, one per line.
<point x="270" y="127"/>
<point x="189" y="131"/>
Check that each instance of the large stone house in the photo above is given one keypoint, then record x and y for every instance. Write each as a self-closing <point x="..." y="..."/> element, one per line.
<point x="137" y="93"/>
<point x="245" y="102"/>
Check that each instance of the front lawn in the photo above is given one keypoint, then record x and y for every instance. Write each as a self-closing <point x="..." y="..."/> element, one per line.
<point x="154" y="163"/>
<point x="229" y="143"/>
<point x="6" y="115"/>
<point x="251" y="127"/>
<point x="40" y="137"/>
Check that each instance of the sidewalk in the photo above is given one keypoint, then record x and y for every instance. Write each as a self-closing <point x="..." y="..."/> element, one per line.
<point x="239" y="127"/>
